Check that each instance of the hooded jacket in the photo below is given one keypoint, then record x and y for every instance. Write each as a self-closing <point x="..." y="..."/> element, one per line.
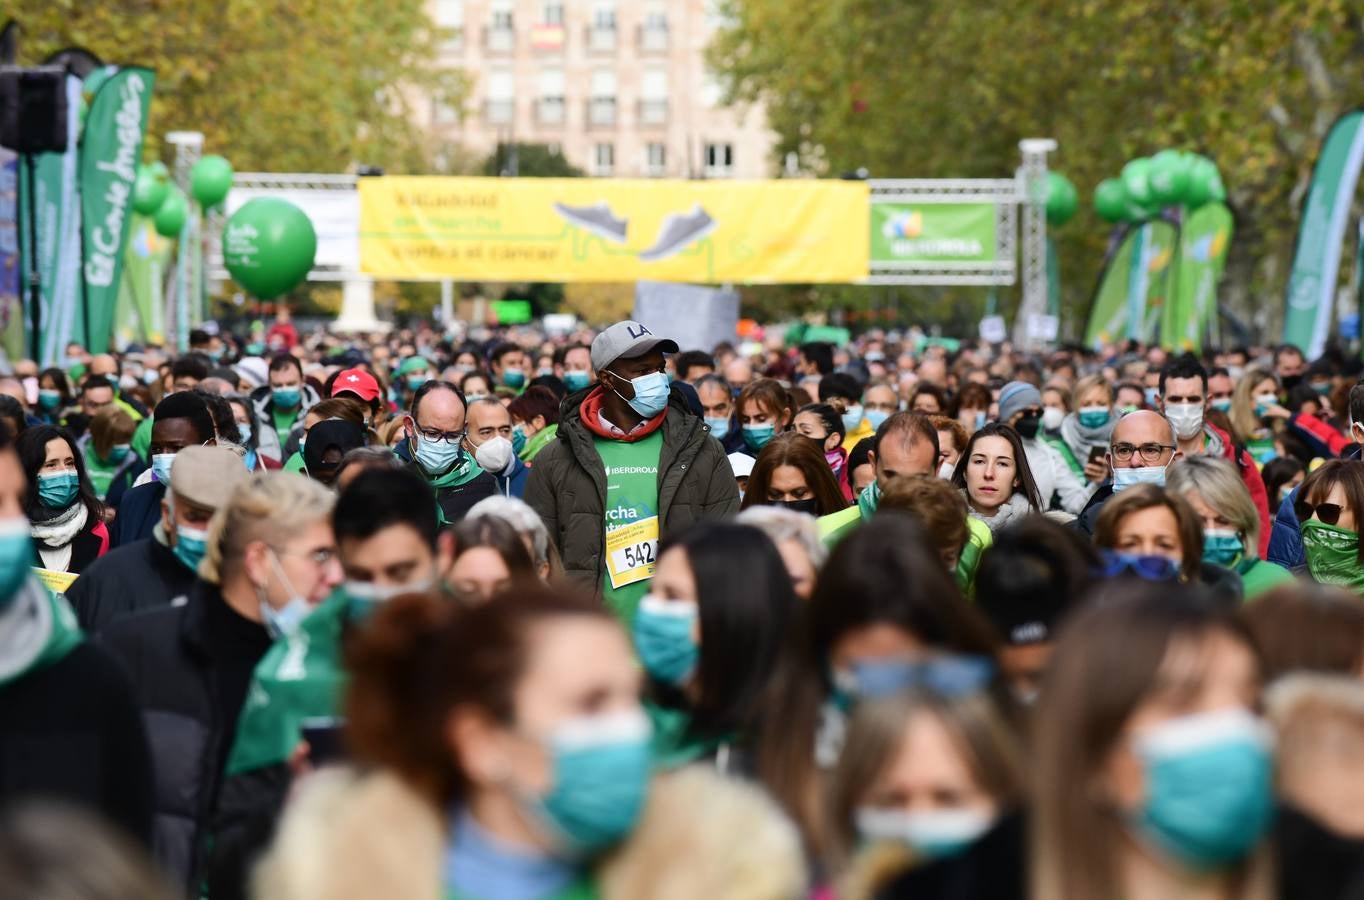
<point x="567" y="484"/>
<point x="702" y="835"/>
<point x="267" y="439"/>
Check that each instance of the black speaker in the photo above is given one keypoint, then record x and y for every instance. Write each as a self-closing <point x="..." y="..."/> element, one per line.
<point x="33" y="109"/>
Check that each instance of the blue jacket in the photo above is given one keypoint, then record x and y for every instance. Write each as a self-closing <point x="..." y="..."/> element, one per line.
<point x="514" y="484"/>
<point x="1285" y="539"/>
<point x="137" y="514"/>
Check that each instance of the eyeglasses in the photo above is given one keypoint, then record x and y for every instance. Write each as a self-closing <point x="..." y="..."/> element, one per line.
<point x="319" y="557"/>
<point x="1150" y="453"/>
<point x="434" y="436"/>
<point x="1326" y="512"/>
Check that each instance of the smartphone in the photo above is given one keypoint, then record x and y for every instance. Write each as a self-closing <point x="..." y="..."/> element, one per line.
<point x="326" y="739"/>
<point x="1096" y="455"/>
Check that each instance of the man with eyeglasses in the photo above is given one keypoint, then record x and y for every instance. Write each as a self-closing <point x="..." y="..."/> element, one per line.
<point x="1139" y="452"/>
<point x="630" y="462"/>
<point x="434" y="449"/>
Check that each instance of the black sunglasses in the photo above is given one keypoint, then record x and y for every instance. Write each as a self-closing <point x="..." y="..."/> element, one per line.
<point x="1326" y="512"/>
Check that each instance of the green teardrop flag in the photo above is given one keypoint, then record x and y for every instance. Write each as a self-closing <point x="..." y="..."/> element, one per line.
<point x="268" y="246"/>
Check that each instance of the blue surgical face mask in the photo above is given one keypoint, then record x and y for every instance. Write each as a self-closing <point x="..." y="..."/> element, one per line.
<point x="1094" y="416"/>
<point x="719" y="425"/>
<point x="1221" y="404"/>
<point x="244" y="432"/>
<point x="651" y="394"/>
<point x="414" y="382"/>
<point x="58" y="490"/>
<point x="1124" y="478"/>
<point x="1221" y="547"/>
<point x="514" y="378"/>
<point x="852" y="418"/>
<point x="876" y="418"/>
<point x="119" y="452"/>
<point x="286" y="397"/>
<point x="48" y="399"/>
<point x="948" y="675"/>
<point x="161" y="466"/>
<point x="16" y="555"/>
<point x="190" y="545"/>
<point x="283" y="621"/>
<point x="366" y="597"/>
<point x="1209" y="787"/>
<point x="518" y="438"/>
<point x="1152" y="395"/>
<point x="576" y="381"/>
<point x="437" y="457"/>
<point x="757" y="437"/>
<point x="663" y="637"/>
<point x="601" y="780"/>
<point x="932" y="835"/>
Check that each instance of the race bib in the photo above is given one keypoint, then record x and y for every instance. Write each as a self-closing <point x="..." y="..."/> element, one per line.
<point x="632" y="552"/>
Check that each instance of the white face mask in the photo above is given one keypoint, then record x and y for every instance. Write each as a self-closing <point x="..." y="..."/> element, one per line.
<point x="1052" y="417"/>
<point x="1185" y="418"/>
<point x="495" y="454"/>
<point x="933" y="834"/>
<point x="945" y="470"/>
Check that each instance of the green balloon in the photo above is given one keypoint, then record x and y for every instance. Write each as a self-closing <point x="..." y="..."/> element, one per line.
<point x="158" y="168"/>
<point x="1062" y="199"/>
<point x="149" y="192"/>
<point x="1110" y="200"/>
<point x="1204" y="182"/>
<point x="1169" y="177"/>
<point x="210" y="180"/>
<point x="1136" y="177"/>
<point x="174" y="212"/>
<point x="268" y="246"/>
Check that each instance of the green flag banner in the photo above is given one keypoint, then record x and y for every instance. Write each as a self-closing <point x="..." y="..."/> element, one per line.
<point x="111" y="147"/>
<point x="1133" y="285"/>
<point x="1321" y="235"/>
<point x="140" y="315"/>
<point x="1204" y="241"/>
<point x="11" y="299"/>
<point x="932" y="232"/>
<point x="57" y="214"/>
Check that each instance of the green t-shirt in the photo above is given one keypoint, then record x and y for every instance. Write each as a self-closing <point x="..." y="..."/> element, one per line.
<point x="295" y="464"/>
<point x="284" y="423"/>
<point x="632" y="526"/>
<point x="1259" y="575"/>
<point x="101" y="474"/>
<point x="142" y="439"/>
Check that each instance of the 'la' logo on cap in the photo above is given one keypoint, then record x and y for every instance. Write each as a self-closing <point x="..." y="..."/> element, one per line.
<point x="636" y="335"/>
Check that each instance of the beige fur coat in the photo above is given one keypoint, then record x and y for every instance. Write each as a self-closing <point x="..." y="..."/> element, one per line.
<point x="703" y="837"/>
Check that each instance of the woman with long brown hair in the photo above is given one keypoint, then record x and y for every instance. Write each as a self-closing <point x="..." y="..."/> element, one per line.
<point x="790" y="472"/>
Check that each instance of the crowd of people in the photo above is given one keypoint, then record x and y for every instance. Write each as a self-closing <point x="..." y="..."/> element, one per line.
<point x="499" y="615"/>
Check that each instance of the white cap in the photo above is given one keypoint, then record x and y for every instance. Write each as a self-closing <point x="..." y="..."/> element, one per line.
<point x="741" y="463"/>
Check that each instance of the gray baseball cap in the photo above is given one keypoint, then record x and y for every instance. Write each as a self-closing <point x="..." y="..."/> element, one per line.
<point x="626" y="340"/>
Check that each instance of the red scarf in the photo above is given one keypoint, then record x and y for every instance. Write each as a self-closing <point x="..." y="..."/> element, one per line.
<point x="591" y="409"/>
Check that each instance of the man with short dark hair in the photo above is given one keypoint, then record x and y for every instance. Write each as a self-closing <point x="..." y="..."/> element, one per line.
<point x="573" y="365"/>
<point x="690" y="365"/>
<point x="630" y="463"/>
<point x="905" y="444"/>
<point x="1289" y="365"/>
<point x="280" y="406"/>
<point x="489" y="439"/>
<point x="510" y="366"/>
<point x="435" y="429"/>
<point x="388" y="534"/>
<point x="179" y="421"/>
<point x="815" y="358"/>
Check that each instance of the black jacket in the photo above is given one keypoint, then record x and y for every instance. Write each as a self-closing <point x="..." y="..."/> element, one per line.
<point x="1314" y="863"/>
<point x="993" y="868"/>
<point x="71" y="731"/>
<point x="85" y="548"/>
<point x="190" y="666"/>
<point x="129" y="579"/>
<point x="137" y="514"/>
<point x="454" y="502"/>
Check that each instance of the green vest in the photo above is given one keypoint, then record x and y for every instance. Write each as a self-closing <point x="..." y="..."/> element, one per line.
<point x="632" y="526"/>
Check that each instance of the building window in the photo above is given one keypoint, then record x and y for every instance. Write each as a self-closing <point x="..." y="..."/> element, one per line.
<point x="719" y="160"/>
<point x="653" y="103"/>
<point x="500" y="99"/>
<point x="450" y="20"/>
<point x="601" y="107"/>
<point x="500" y="15"/>
<point x="553" y="12"/>
<point x="601" y="32"/>
<point x="549" y="108"/>
<point x="603" y="159"/>
<point x="653" y="33"/>
<point x="656" y="159"/>
<point x="604" y="15"/>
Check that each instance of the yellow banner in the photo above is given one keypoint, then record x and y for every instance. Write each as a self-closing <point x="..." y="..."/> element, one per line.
<point x="586" y="229"/>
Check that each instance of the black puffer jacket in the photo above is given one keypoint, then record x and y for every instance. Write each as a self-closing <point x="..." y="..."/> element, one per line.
<point x="134" y="578"/>
<point x="567" y="485"/>
<point x="190" y="667"/>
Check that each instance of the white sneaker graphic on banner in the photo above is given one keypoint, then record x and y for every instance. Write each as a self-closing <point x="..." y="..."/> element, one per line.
<point x="679" y="231"/>
<point x="596" y="218"/>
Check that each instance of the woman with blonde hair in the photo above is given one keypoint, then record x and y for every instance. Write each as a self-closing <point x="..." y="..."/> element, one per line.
<point x="1231" y="524"/>
<point x="927" y="776"/>
<point x="1255" y="396"/>
<point x="271" y="558"/>
<point x="1088" y="428"/>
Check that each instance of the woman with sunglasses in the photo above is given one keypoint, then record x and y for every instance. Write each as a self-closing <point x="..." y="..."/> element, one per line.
<point x="928" y="789"/>
<point x="1328" y="508"/>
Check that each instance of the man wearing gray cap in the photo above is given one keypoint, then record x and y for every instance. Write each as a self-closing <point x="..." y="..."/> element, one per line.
<point x="151" y="573"/>
<point x="629" y="464"/>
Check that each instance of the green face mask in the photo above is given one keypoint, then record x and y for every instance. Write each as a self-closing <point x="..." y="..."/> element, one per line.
<point x="1332" y="554"/>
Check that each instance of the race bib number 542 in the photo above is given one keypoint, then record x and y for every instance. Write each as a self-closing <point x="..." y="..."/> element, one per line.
<point x="631" y="552"/>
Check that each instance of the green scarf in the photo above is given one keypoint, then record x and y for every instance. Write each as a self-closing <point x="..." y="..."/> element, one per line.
<point x="1332" y="554"/>
<point x="300" y="677"/>
<point x="37" y="630"/>
<point x="463" y="471"/>
<point x="100" y="473"/>
<point x="869" y="500"/>
<point x="673" y="745"/>
<point x="537" y="442"/>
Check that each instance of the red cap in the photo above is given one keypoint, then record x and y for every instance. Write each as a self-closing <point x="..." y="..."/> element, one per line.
<point x="357" y="382"/>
